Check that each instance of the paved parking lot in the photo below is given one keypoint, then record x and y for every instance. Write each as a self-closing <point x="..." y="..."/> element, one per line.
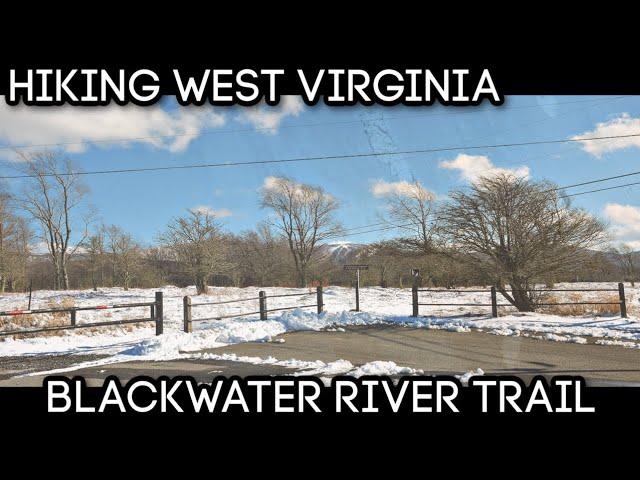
<point x="434" y="351"/>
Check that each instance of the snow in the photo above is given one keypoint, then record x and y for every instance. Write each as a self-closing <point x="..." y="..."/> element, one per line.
<point x="382" y="306"/>
<point x="465" y="377"/>
<point x="300" y="367"/>
<point x="619" y="343"/>
<point x="379" y="367"/>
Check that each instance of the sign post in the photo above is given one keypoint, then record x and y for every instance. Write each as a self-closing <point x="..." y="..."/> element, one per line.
<point x="30" y="293"/>
<point x="357" y="269"/>
<point x="415" y="275"/>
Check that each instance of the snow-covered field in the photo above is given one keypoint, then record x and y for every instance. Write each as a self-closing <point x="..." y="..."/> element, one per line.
<point x="379" y="306"/>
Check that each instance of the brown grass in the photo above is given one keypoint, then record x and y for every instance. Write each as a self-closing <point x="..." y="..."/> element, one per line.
<point x="581" y="310"/>
<point x="57" y="319"/>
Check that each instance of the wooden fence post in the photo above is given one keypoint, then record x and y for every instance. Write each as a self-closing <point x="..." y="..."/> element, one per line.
<point x="414" y="300"/>
<point x="73" y="318"/>
<point x="263" y="305"/>
<point x="358" y="290"/>
<point x="186" y="311"/>
<point x="623" y="301"/>
<point x="319" y="299"/>
<point x="159" y="317"/>
<point x="494" y="303"/>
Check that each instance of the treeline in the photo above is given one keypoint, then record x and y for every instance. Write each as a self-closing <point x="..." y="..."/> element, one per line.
<point x="504" y="231"/>
<point x="252" y="261"/>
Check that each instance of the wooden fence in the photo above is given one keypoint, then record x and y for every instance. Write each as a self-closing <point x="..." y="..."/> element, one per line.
<point x="622" y="303"/>
<point x="156" y="315"/>
<point x="263" y="310"/>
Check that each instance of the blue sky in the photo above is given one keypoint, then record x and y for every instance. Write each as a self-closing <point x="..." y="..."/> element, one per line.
<point x="142" y="203"/>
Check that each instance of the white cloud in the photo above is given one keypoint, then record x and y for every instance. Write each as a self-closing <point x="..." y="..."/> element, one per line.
<point x="475" y="167"/>
<point x="622" y="125"/>
<point x="215" y="212"/>
<point x="271" y="183"/>
<point x="382" y="188"/>
<point x="73" y="129"/>
<point x="283" y="184"/>
<point x="626" y="223"/>
<point x="22" y="125"/>
<point x="269" y="118"/>
<point x="633" y="244"/>
<point x="622" y="214"/>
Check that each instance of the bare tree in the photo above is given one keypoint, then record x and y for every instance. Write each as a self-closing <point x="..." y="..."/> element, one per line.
<point x="518" y="232"/>
<point x="304" y="214"/>
<point x="384" y="257"/>
<point x="628" y="259"/>
<point x="21" y="253"/>
<point x="15" y="237"/>
<point x="54" y="199"/>
<point x="195" y="242"/>
<point x="125" y="255"/>
<point x="7" y="233"/>
<point x="411" y="208"/>
<point x="261" y="255"/>
<point x="97" y="257"/>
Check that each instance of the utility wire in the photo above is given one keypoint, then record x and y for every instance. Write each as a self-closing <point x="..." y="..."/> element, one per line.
<point x="318" y="158"/>
<point x="268" y="129"/>
<point x="601" y="189"/>
<point x="391" y="227"/>
<point x="590" y="182"/>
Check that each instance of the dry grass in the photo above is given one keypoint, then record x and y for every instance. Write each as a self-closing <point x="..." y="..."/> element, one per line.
<point x="612" y="308"/>
<point x="58" y="319"/>
<point x="55" y="319"/>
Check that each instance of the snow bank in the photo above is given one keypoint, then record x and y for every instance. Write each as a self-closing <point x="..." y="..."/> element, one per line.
<point x="382" y="306"/>
<point x="465" y="377"/>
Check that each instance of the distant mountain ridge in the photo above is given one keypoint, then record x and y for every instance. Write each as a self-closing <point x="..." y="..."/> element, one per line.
<point x="341" y="252"/>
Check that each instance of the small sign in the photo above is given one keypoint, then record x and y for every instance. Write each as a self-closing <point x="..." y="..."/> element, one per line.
<point x="415" y="272"/>
<point x="356" y="267"/>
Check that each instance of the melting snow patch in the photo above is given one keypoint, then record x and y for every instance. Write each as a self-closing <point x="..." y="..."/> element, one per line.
<point x="383" y="368"/>
<point x="618" y="343"/>
<point x="505" y="332"/>
<point x="464" y="378"/>
<point x="564" y="338"/>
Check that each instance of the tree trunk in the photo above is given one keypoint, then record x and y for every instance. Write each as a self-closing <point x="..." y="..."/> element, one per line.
<point x="383" y="281"/>
<point x="64" y="276"/>
<point x="520" y="298"/>
<point x="302" y="276"/>
<point x="201" y="285"/>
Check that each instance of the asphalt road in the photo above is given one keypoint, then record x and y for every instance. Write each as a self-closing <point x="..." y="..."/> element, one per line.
<point x="434" y="351"/>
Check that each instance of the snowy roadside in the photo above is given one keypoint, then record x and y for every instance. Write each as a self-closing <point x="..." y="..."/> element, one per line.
<point x="324" y="370"/>
<point x="384" y="306"/>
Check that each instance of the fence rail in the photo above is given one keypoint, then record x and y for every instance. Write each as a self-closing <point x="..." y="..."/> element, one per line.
<point x="290" y="295"/>
<point x="494" y="298"/>
<point x="262" y="298"/>
<point x="156" y="310"/>
<point x="225" y="301"/>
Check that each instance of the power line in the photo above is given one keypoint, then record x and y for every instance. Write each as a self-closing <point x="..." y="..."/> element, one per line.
<point x="324" y="157"/>
<point x="391" y="227"/>
<point x="590" y="182"/>
<point x="601" y="189"/>
<point x="365" y="226"/>
<point x="268" y="129"/>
